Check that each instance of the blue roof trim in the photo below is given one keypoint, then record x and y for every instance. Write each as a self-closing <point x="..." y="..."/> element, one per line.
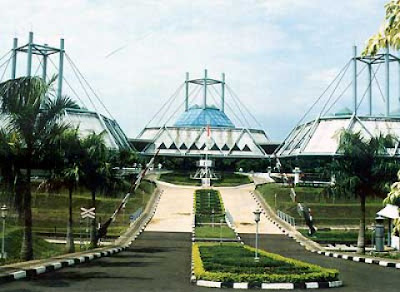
<point x="199" y="117"/>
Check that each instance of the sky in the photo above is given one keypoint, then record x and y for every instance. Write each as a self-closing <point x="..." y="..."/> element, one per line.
<point x="278" y="56"/>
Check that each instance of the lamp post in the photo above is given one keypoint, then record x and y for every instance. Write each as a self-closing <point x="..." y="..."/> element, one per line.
<point x="4" y="211"/>
<point x="257" y="219"/>
<point x="220" y="231"/>
<point x="212" y="217"/>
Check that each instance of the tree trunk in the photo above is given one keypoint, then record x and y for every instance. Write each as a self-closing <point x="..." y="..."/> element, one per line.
<point x="361" y="233"/>
<point x="19" y="186"/>
<point x="70" y="246"/>
<point x="27" y="246"/>
<point x="93" y="232"/>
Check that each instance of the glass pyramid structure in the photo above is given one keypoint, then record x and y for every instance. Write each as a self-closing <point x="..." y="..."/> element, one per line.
<point x="202" y="117"/>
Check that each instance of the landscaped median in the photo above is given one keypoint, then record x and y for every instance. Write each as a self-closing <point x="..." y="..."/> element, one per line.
<point x="210" y="222"/>
<point x="232" y="265"/>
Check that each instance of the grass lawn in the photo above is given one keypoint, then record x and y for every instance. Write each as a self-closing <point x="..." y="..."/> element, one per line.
<point x="337" y="236"/>
<point x="214" y="232"/>
<point x="326" y="210"/>
<point x="209" y="206"/>
<point x="50" y="215"/>
<point x="227" y="179"/>
<point x="179" y="178"/>
<point x="232" y="262"/>
<point x="41" y="248"/>
<point x="393" y="255"/>
<point x="50" y="211"/>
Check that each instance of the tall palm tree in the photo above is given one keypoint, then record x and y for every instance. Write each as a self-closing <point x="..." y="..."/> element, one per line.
<point x="70" y="172"/>
<point x="358" y="170"/>
<point x="33" y="112"/>
<point x="96" y="170"/>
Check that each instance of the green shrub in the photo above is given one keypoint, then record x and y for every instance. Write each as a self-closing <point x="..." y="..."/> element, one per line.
<point x="235" y="263"/>
<point x="206" y="201"/>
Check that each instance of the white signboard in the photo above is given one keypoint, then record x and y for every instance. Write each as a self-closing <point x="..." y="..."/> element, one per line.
<point x="88" y="213"/>
<point x="205" y="163"/>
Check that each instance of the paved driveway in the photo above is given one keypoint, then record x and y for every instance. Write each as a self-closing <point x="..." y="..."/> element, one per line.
<point x="241" y="206"/>
<point x="174" y="211"/>
<point x="357" y="277"/>
<point x="158" y="261"/>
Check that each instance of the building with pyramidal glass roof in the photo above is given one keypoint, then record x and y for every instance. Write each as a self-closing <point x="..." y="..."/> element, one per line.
<point x="203" y="127"/>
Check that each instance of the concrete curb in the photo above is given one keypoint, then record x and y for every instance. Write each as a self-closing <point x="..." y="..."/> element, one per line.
<point x="192" y="276"/>
<point x="84" y="258"/>
<point x="35" y="271"/>
<point x="233" y="227"/>
<point x="359" y="259"/>
<point x="269" y="286"/>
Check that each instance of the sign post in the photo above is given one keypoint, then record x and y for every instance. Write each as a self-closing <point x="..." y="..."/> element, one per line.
<point x="80" y="234"/>
<point x="89" y="214"/>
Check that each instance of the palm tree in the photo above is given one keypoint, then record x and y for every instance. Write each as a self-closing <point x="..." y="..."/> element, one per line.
<point x="358" y="170"/>
<point x="71" y="151"/>
<point x="33" y="113"/>
<point x="96" y="170"/>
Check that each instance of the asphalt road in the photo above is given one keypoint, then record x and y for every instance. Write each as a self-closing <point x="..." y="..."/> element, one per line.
<point x="157" y="261"/>
<point x="356" y="276"/>
<point x="160" y="261"/>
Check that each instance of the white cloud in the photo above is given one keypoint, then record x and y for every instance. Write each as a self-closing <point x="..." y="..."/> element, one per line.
<point x="270" y="50"/>
<point x="323" y="76"/>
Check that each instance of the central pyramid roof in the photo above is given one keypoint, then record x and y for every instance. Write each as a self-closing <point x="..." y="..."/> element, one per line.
<point x="202" y="117"/>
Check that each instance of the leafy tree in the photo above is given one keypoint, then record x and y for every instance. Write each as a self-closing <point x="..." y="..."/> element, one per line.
<point x="33" y="113"/>
<point x="124" y="158"/>
<point x="393" y="198"/>
<point x="389" y="32"/>
<point x="359" y="170"/>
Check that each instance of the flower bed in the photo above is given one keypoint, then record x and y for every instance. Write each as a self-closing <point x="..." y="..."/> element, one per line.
<point x="235" y="263"/>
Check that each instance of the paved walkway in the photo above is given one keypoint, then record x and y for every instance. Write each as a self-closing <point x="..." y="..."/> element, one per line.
<point x="261" y="178"/>
<point x="174" y="211"/>
<point x="241" y="205"/>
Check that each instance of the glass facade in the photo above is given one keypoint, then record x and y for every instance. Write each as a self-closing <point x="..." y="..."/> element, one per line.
<point x="199" y="117"/>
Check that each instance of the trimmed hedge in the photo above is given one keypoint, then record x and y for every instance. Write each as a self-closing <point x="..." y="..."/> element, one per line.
<point x="205" y="203"/>
<point x="235" y="263"/>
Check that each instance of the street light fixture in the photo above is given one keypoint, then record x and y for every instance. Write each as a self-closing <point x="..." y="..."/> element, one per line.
<point x="212" y="217"/>
<point x="256" y="219"/>
<point x="220" y="231"/>
<point x="4" y="212"/>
